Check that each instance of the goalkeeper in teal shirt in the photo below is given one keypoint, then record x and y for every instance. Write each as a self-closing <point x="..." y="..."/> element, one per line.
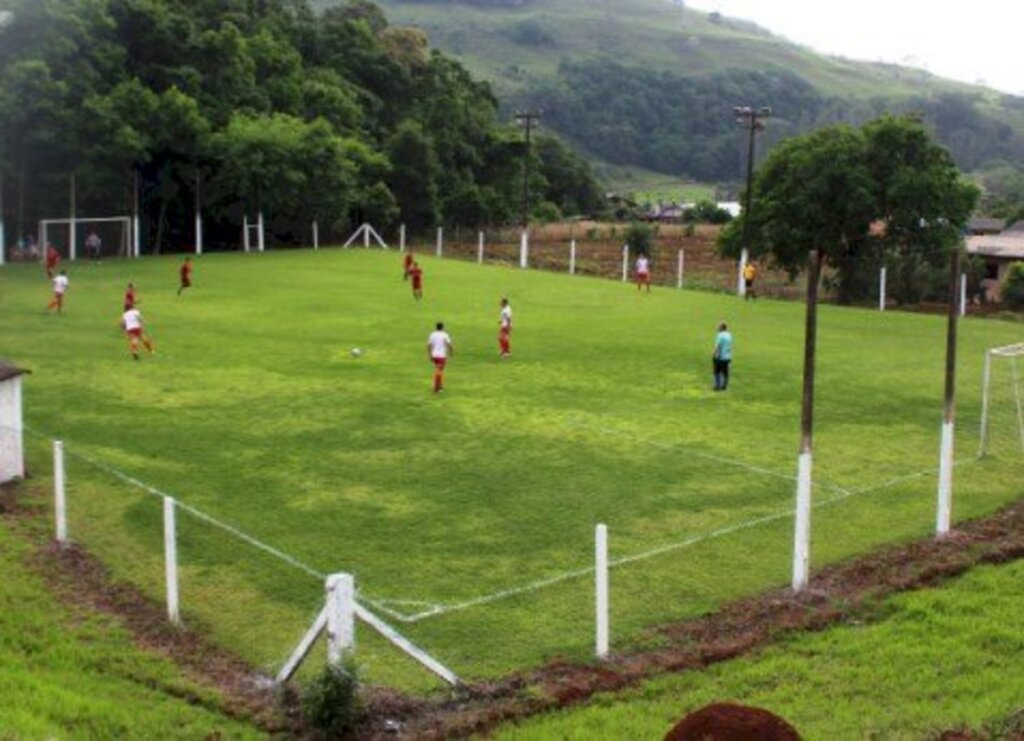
<point x="722" y="357"/>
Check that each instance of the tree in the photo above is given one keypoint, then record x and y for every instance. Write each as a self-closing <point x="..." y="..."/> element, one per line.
<point x="413" y="179"/>
<point x="1013" y="286"/>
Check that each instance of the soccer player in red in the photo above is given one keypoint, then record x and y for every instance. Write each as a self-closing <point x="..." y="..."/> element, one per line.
<point x="407" y="265"/>
<point x="185" y="272"/>
<point x="643" y="273"/>
<point x="60" y="287"/>
<point x="439" y="349"/>
<point x="52" y="260"/>
<point x="505" y="333"/>
<point x="417" y="280"/>
<point x="131" y="320"/>
<point x="130" y="297"/>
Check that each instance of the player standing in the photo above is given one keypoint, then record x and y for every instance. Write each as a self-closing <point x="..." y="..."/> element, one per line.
<point x="439" y="349"/>
<point x="407" y="265"/>
<point x="130" y="297"/>
<point x="505" y="333"/>
<point x="52" y="260"/>
<point x="185" y="273"/>
<point x="416" y="272"/>
<point x="749" y="273"/>
<point x="93" y="246"/>
<point x="60" y="287"/>
<point x="722" y="357"/>
<point x="643" y="273"/>
<point x="131" y="320"/>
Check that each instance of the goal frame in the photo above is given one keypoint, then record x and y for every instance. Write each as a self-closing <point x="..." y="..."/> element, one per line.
<point x="1006" y="351"/>
<point x="131" y="235"/>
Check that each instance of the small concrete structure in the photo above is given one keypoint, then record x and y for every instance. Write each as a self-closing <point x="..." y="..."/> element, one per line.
<point x="999" y="252"/>
<point x="12" y="448"/>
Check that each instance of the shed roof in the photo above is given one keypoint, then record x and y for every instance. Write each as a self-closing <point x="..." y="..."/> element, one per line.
<point x="1008" y="246"/>
<point x="8" y="370"/>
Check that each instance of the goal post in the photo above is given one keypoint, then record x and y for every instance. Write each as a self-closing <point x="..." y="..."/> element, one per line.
<point x="1002" y="400"/>
<point x="82" y="238"/>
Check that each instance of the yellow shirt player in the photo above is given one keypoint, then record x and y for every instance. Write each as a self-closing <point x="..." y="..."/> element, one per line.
<point x="749" y="274"/>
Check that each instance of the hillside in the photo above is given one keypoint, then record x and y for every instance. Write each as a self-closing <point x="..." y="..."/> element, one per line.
<point x="647" y="83"/>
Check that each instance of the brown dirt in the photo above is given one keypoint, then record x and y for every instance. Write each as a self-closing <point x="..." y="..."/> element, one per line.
<point x="729" y="722"/>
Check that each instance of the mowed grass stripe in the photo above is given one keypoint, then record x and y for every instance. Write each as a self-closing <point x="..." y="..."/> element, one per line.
<point x="254" y="411"/>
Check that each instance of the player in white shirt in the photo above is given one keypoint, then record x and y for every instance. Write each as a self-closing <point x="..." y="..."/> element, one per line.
<point x="131" y="320"/>
<point x="643" y="273"/>
<point x="60" y="287"/>
<point x="505" y="333"/>
<point x="439" y="349"/>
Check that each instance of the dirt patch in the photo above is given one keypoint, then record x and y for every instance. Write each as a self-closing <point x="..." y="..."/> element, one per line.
<point x="843" y="592"/>
<point x="729" y="722"/>
<point x="84" y="584"/>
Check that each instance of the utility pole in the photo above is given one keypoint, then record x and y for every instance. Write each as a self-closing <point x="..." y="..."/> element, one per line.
<point x="753" y="121"/>
<point x="527" y="119"/>
<point x="944" y="509"/>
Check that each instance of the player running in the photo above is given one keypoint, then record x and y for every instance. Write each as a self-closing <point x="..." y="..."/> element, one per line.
<point x="722" y="357"/>
<point x="416" y="272"/>
<point x="185" y="273"/>
<point x="60" y="287"/>
<point x="407" y="265"/>
<point x="643" y="273"/>
<point x="505" y="332"/>
<point x="131" y="320"/>
<point x="52" y="260"/>
<point x="439" y="349"/>
<point x="749" y="274"/>
<point x="130" y="297"/>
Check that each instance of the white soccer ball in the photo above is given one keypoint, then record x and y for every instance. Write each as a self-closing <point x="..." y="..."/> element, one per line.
<point x="356" y="352"/>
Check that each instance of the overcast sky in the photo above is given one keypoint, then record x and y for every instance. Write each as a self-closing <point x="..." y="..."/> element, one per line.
<point x="971" y="41"/>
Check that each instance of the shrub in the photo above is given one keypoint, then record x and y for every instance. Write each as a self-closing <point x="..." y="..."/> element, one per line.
<point x="640" y="237"/>
<point x="331" y="702"/>
<point x="1013" y="286"/>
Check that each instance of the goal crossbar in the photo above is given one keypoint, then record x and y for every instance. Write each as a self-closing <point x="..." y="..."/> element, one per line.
<point x="126" y="221"/>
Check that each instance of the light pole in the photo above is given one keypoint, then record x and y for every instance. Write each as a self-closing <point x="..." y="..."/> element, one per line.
<point x="753" y="121"/>
<point x="527" y="119"/>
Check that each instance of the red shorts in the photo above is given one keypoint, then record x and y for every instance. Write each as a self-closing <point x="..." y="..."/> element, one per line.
<point x="186" y="282"/>
<point x="417" y="285"/>
<point x="643" y="277"/>
<point x="439" y="363"/>
<point x="137" y="332"/>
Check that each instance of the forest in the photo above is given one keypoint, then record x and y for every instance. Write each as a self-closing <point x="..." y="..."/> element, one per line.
<point x="250" y="106"/>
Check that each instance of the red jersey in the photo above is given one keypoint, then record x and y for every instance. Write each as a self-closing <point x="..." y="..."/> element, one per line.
<point x="129" y="299"/>
<point x="186" y="270"/>
<point x="408" y="260"/>
<point x="52" y="257"/>
<point x="417" y="277"/>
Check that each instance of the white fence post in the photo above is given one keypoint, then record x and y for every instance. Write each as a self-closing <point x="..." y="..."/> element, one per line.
<point x="741" y="285"/>
<point x="679" y="269"/>
<point x="439" y="249"/>
<point x="341" y="616"/>
<point x="986" y="377"/>
<point x="572" y="257"/>
<point x="59" y="499"/>
<point x="260" y="233"/>
<point x="480" y="248"/>
<point x="136" y="236"/>
<point x="245" y="232"/>
<point x="963" y="294"/>
<point x="625" y="262"/>
<point x="802" y="539"/>
<point x="945" y="504"/>
<point x="199" y="233"/>
<point x="171" y="560"/>
<point x="524" y="249"/>
<point x="401" y="238"/>
<point x="366" y="236"/>
<point x="316" y="235"/>
<point x="881" y="289"/>
<point x="601" y="589"/>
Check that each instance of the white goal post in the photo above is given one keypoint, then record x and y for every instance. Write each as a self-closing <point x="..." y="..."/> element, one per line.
<point x="125" y="240"/>
<point x="1002" y="394"/>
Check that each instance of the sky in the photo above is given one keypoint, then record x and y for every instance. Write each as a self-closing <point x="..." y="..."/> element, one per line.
<point x="971" y="42"/>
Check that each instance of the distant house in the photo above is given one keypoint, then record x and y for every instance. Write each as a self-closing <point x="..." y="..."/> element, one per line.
<point x="999" y="252"/>
<point x="984" y="226"/>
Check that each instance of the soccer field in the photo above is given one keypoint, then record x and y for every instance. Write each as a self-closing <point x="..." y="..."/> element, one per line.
<point x="454" y="511"/>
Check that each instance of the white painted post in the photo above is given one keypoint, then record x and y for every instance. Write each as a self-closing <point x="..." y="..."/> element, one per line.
<point x="440" y="241"/>
<point x="945" y="503"/>
<point x="802" y="540"/>
<point x="171" y="560"/>
<point x="401" y="238"/>
<point x="963" y="294"/>
<point x="601" y="590"/>
<point x="260" y="232"/>
<point x="316" y="235"/>
<point x="881" y="290"/>
<point x="73" y="227"/>
<point x="625" y="262"/>
<point x="199" y="233"/>
<point x="59" y="499"/>
<point x="341" y="616"/>
<point x="524" y="249"/>
<point x="366" y="236"/>
<point x="983" y="443"/>
<point x="679" y="270"/>
<point x="572" y="257"/>
<point x="480" y="249"/>
<point x="245" y="232"/>
<point x="741" y="285"/>
<point x="136" y="236"/>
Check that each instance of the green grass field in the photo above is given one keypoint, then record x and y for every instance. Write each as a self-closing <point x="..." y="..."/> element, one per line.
<point x="254" y="412"/>
<point x="64" y="674"/>
<point x="935" y="660"/>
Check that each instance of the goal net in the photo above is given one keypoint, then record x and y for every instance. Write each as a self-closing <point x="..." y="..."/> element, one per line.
<point x="88" y="238"/>
<point x="1002" y="402"/>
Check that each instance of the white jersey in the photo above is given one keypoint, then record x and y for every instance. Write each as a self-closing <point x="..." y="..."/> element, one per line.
<point x="439" y="342"/>
<point x="60" y="284"/>
<point x="132" y="319"/>
<point x="642" y="266"/>
<point x="506" y="317"/>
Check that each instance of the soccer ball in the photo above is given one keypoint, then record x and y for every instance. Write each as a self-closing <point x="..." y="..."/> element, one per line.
<point x="356" y="352"/>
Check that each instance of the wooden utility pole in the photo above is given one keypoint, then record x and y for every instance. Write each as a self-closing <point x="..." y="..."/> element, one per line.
<point x="802" y="534"/>
<point x="753" y="121"/>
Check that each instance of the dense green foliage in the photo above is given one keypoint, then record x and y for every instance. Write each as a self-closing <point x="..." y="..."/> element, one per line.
<point x="875" y="678"/>
<point x="254" y="411"/>
<point x="330" y="704"/>
<point x="1013" y="286"/>
<point x="825" y="190"/>
<point x="337" y="117"/>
